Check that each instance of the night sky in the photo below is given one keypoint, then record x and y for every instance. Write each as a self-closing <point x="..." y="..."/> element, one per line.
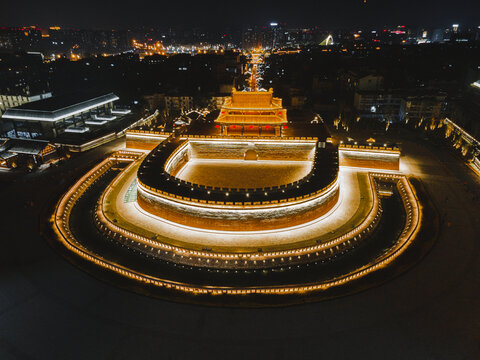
<point x="216" y="14"/>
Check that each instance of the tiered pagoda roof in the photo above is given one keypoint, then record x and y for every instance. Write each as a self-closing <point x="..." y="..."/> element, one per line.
<point x="253" y="107"/>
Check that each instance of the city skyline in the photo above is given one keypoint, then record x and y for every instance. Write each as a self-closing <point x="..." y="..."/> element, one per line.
<point x="214" y="15"/>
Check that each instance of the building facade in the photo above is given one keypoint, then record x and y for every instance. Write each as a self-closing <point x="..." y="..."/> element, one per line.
<point x="178" y="103"/>
<point x="385" y="106"/>
<point x="50" y="117"/>
<point x="425" y="106"/>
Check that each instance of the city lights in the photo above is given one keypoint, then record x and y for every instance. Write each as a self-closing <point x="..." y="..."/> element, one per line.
<point x="234" y="222"/>
<point x="210" y="180"/>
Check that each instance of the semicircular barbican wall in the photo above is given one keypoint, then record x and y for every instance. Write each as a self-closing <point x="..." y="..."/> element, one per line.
<point x="161" y="193"/>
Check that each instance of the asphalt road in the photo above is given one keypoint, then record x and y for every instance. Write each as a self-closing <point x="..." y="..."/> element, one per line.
<point x="49" y="309"/>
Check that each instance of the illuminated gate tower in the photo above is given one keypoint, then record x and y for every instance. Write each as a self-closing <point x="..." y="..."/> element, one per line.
<point x="252" y="112"/>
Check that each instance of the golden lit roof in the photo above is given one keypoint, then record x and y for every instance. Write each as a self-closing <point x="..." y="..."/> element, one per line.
<point x="252" y="107"/>
<point x="254" y="100"/>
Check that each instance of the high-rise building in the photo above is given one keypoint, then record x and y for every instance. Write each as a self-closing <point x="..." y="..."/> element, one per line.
<point x="438" y="36"/>
<point x="252" y="38"/>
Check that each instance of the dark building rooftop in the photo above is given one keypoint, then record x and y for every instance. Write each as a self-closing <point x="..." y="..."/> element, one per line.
<point x="57" y="107"/>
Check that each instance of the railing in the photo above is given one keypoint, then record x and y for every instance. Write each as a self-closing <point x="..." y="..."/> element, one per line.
<point x="368" y="147"/>
<point x="65" y="236"/>
<point x="250" y="259"/>
<point x="152" y="132"/>
<point x="469" y="138"/>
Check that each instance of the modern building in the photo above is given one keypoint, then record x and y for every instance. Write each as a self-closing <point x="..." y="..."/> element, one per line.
<point x="10" y="101"/>
<point x="178" y="103"/>
<point x="274" y="36"/>
<point x="438" y="36"/>
<point x="387" y="106"/>
<point x="252" y="38"/>
<point x="50" y="117"/>
<point x="425" y="105"/>
<point x="370" y="83"/>
<point x="155" y="100"/>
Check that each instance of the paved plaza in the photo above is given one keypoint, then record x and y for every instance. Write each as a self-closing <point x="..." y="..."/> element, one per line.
<point x="243" y="173"/>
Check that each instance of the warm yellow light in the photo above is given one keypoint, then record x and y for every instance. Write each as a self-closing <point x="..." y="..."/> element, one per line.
<point x="65" y="206"/>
